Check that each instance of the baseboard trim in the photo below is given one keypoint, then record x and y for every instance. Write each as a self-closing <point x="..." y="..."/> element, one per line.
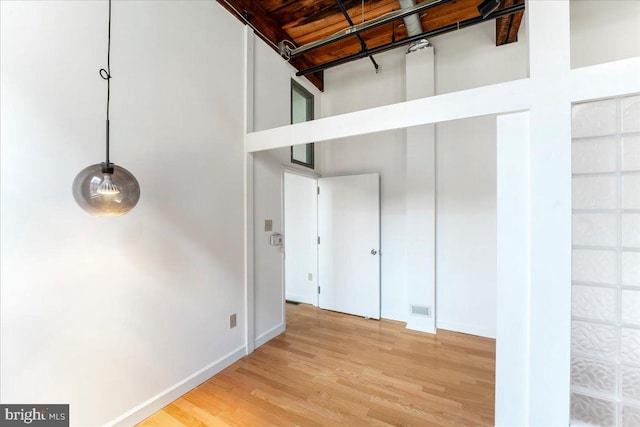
<point x="399" y="317"/>
<point x="465" y="329"/>
<point x="300" y="299"/>
<point x="162" y="399"/>
<point x="270" y="334"/>
<point x="420" y="325"/>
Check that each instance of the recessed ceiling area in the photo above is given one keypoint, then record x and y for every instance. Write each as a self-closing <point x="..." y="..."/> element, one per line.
<point x="298" y="23"/>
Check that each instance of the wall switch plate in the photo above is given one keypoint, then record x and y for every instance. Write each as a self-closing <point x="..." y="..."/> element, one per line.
<point x="310" y="277"/>
<point x="233" y="321"/>
<point x="268" y="225"/>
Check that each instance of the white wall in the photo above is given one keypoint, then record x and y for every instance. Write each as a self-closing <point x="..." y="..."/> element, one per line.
<point x="105" y="313"/>
<point x="464" y="59"/>
<point x="356" y="86"/>
<point x="272" y="98"/>
<point x="469" y="58"/>
<point x="604" y="31"/>
<point x="466" y="226"/>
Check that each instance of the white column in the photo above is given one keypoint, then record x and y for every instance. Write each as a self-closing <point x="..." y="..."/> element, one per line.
<point x="550" y="224"/>
<point x="420" y="196"/>
<point x="513" y="243"/>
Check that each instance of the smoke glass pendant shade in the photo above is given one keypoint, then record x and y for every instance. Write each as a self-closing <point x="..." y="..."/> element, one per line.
<point x="102" y="193"/>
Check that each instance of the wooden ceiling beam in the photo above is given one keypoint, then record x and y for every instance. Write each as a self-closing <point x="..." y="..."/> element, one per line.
<point x="507" y="26"/>
<point x="312" y="30"/>
<point x="270" y="31"/>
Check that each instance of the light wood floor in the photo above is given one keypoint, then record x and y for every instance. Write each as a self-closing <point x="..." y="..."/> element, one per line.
<point x="332" y="369"/>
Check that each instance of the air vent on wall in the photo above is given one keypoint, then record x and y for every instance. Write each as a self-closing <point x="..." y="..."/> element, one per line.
<point x="421" y="310"/>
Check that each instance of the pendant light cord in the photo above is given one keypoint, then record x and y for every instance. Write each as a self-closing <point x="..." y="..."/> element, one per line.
<point x="106" y="75"/>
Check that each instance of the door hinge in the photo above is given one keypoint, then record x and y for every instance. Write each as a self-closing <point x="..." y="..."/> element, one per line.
<point x="318" y="239"/>
<point x="318" y="289"/>
<point x="318" y="190"/>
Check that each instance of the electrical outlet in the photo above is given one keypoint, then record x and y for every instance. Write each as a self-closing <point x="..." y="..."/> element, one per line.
<point x="232" y="321"/>
<point x="310" y="277"/>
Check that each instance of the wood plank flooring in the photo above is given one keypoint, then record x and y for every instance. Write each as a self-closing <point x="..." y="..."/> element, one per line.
<point x="332" y="369"/>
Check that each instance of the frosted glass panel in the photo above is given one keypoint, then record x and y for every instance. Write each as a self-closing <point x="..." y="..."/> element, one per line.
<point x="631" y="268"/>
<point x="631" y="346"/>
<point x="631" y="230"/>
<point x="594" y="155"/>
<point x="631" y="416"/>
<point x="594" y="119"/>
<point x="631" y="153"/>
<point x="631" y="307"/>
<point x="591" y="410"/>
<point x="595" y="192"/>
<point x="605" y="303"/>
<point x="631" y="191"/>
<point x="594" y="375"/>
<point x="594" y="266"/>
<point x="595" y="340"/>
<point x="631" y="114"/>
<point x="595" y="230"/>
<point x="631" y="382"/>
<point x="593" y="302"/>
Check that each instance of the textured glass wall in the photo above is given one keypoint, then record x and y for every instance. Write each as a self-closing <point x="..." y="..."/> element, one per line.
<point x="605" y="336"/>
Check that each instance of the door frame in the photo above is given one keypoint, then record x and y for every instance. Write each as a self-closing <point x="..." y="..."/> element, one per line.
<point x="308" y="174"/>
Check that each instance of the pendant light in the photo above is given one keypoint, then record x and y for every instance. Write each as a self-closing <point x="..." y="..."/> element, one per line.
<point x="106" y="189"/>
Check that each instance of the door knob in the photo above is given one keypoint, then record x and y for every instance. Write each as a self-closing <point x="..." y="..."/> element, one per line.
<point x="373" y="252"/>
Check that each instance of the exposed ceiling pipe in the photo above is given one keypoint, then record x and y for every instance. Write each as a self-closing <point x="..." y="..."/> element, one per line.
<point x="288" y="50"/>
<point x="432" y="33"/>
<point x="413" y="25"/>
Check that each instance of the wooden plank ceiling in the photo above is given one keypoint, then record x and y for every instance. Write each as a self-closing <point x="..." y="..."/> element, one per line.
<point x="305" y="21"/>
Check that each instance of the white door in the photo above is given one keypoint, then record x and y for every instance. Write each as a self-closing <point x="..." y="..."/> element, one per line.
<point x="349" y="249"/>
<point x="300" y="238"/>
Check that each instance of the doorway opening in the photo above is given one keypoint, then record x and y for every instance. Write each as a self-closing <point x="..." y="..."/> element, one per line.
<point x="300" y="226"/>
<point x="332" y="242"/>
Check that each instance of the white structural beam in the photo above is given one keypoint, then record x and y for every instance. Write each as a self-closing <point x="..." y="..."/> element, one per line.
<point x="598" y="81"/>
<point x="605" y="80"/>
<point x="482" y="101"/>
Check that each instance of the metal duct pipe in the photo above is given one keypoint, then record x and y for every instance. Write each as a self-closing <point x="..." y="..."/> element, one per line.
<point x="288" y="50"/>
<point x="411" y="22"/>
<point x="413" y="25"/>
